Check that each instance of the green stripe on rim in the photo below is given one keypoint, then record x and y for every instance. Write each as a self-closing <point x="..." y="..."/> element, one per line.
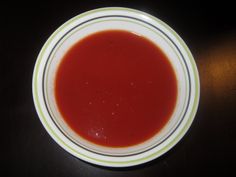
<point x="107" y="162"/>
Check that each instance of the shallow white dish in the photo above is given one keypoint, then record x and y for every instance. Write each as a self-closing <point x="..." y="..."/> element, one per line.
<point x="123" y="19"/>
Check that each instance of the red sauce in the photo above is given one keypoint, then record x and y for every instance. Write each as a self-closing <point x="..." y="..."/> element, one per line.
<point x="115" y="88"/>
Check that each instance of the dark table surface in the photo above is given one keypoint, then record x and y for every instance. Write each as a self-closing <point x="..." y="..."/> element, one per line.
<point x="208" y="148"/>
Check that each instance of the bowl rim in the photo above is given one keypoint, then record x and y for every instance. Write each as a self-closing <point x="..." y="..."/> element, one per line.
<point x="115" y="161"/>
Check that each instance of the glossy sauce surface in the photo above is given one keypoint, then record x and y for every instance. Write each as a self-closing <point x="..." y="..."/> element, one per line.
<point x="115" y="88"/>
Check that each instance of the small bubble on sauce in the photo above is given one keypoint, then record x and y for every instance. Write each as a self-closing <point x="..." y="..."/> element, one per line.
<point x="103" y="101"/>
<point x="117" y="104"/>
<point x="86" y="83"/>
<point x="90" y="103"/>
<point x="131" y="83"/>
<point x="113" y="113"/>
<point x="97" y="133"/>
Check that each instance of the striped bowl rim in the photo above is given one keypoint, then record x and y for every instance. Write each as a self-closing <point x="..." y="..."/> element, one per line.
<point x="101" y="159"/>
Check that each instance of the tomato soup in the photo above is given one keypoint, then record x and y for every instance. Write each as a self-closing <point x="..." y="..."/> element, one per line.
<point x="115" y="88"/>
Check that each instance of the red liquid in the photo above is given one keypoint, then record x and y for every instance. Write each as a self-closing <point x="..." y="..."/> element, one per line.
<point x="115" y="88"/>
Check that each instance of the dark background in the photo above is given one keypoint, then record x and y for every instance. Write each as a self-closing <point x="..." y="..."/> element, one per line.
<point x="207" y="149"/>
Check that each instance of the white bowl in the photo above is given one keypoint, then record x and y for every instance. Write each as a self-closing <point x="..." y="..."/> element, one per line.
<point x="124" y="19"/>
